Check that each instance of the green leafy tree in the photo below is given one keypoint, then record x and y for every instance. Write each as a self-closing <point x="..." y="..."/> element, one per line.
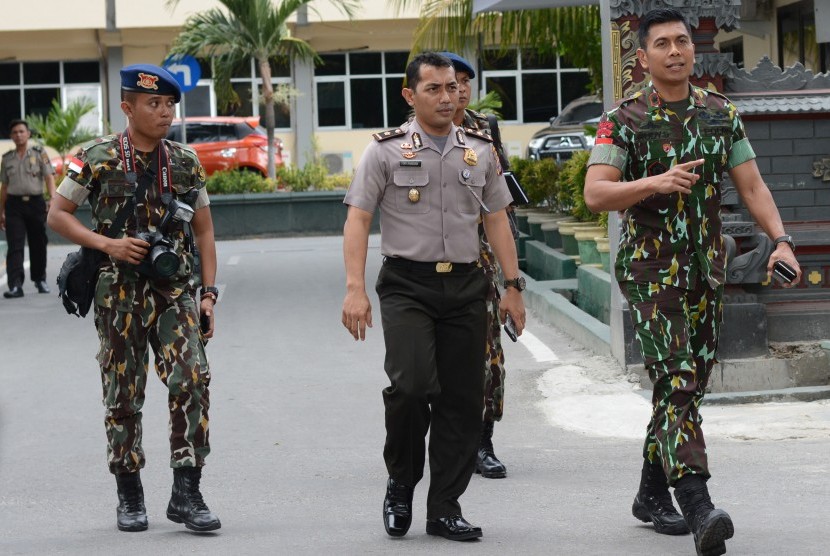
<point x="572" y="32"/>
<point x="61" y="127"/>
<point x="488" y="104"/>
<point x="245" y="29"/>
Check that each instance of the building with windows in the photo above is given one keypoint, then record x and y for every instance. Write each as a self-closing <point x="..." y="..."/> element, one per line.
<point x="52" y="50"/>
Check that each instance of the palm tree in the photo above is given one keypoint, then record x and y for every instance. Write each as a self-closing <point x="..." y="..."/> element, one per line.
<point x="247" y="29"/>
<point x="572" y="32"/>
<point x="60" y="128"/>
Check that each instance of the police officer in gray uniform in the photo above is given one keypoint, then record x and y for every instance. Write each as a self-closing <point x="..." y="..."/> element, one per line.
<point x="431" y="180"/>
<point x="23" y="172"/>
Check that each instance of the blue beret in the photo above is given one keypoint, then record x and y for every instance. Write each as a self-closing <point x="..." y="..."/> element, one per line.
<point x="147" y="78"/>
<point x="459" y="63"/>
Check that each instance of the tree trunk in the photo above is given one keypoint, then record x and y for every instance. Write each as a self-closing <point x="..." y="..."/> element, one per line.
<point x="268" y="99"/>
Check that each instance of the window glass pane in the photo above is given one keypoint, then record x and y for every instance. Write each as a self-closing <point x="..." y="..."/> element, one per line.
<point x="333" y="64"/>
<point x="396" y="62"/>
<point x="282" y="115"/>
<point x="81" y="72"/>
<point x="197" y="101"/>
<point x="397" y="110"/>
<point x="493" y="61"/>
<point x="812" y="59"/>
<point x="331" y="104"/>
<point x="90" y="120"/>
<point x="9" y="109"/>
<point x="9" y="74"/>
<point x="39" y="101"/>
<point x="539" y="97"/>
<point x="574" y="85"/>
<point x="532" y="60"/>
<point x="506" y="89"/>
<point x="367" y="100"/>
<point x="788" y="37"/>
<point x="243" y="69"/>
<point x="363" y="63"/>
<point x="246" y="108"/>
<point x="36" y="73"/>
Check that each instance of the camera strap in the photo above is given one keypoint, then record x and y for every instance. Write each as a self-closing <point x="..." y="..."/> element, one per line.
<point x="496" y="134"/>
<point x="140" y="184"/>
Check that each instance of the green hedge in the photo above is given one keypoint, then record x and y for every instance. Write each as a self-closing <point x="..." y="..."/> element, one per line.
<point x="310" y="177"/>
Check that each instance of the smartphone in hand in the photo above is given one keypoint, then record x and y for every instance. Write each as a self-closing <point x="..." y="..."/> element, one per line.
<point x="204" y="323"/>
<point x="783" y="272"/>
<point x="510" y="328"/>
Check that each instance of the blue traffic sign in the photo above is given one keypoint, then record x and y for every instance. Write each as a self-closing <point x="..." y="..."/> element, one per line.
<point x="185" y="69"/>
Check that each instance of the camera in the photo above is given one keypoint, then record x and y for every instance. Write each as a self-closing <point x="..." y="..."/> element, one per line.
<point x="162" y="261"/>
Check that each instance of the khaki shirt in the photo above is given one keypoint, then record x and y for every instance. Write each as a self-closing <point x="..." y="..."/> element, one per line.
<point x="428" y="212"/>
<point x="25" y="176"/>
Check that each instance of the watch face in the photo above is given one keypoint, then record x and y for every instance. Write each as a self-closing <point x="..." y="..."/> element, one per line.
<point x="522" y="283"/>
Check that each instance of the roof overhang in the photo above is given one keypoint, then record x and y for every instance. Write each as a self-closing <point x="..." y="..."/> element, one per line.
<point x="512" y="5"/>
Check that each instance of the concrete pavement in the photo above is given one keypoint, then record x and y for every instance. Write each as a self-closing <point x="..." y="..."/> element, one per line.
<point x="297" y="433"/>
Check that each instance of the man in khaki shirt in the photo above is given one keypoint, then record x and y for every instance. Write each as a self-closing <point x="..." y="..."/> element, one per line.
<point x="431" y="181"/>
<point x="23" y="209"/>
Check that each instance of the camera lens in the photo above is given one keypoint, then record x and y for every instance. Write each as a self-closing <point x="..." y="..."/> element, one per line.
<point x="165" y="262"/>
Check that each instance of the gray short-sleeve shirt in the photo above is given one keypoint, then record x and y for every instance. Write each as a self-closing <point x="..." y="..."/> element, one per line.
<point x="25" y="176"/>
<point x="427" y="198"/>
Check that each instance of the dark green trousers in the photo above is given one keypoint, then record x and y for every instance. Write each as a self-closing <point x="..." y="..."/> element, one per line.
<point x="677" y="331"/>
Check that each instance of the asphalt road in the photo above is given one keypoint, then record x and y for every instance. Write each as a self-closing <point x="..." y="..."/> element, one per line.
<point x="297" y="434"/>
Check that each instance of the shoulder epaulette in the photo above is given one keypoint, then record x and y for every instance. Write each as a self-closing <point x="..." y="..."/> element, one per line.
<point x="7" y="153"/>
<point x="384" y="135"/>
<point x="480" y="133"/>
<point x="37" y="147"/>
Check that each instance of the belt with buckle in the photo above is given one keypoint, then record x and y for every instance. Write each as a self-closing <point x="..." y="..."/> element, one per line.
<point x="440" y="267"/>
<point x="24" y="198"/>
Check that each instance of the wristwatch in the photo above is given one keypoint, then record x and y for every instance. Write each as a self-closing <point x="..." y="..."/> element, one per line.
<point x="785" y="239"/>
<point x="211" y="291"/>
<point x="519" y="283"/>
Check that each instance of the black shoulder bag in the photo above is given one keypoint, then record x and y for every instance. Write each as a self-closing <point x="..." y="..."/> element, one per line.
<point x="79" y="272"/>
<point x="518" y="194"/>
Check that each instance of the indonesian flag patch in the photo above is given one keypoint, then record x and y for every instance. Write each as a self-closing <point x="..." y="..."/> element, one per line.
<point x="76" y="165"/>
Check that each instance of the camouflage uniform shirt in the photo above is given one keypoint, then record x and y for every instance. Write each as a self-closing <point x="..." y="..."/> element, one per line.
<point x="97" y="173"/>
<point x="671" y="239"/>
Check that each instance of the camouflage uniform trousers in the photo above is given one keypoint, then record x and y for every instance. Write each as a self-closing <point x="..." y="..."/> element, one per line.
<point x="677" y="330"/>
<point x="494" y="372"/>
<point x="171" y="328"/>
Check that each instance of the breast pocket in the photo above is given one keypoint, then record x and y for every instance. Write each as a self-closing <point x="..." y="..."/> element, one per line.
<point x="714" y="150"/>
<point x="657" y="160"/>
<point x="411" y="191"/>
<point x="115" y="193"/>
<point x="472" y="188"/>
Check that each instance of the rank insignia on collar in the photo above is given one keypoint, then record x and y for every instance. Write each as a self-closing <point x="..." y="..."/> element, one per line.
<point x="459" y="136"/>
<point x="406" y="145"/>
<point x="470" y="157"/>
<point x="416" y="140"/>
<point x="409" y="155"/>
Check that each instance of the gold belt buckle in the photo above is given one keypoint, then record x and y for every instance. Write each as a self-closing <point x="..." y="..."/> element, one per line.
<point x="25" y="198"/>
<point x="443" y="267"/>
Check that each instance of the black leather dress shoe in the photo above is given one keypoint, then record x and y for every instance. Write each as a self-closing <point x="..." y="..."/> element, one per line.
<point x="16" y="291"/>
<point x="397" y="508"/>
<point x="42" y="287"/>
<point x="454" y="528"/>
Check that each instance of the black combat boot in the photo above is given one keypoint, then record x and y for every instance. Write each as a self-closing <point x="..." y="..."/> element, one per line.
<point x="711" y="527"/>
<point x="653" y="502"/>
<point x="486" y="461"/>
<point x="132" y="516"/>
<point x="186" y="503"/>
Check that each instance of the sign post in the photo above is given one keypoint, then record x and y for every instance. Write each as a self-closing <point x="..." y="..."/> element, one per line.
<point x="186" y="70"/>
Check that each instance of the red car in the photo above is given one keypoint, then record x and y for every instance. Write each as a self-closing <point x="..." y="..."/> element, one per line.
<point x="228" y="143"/>
<point x="222" y="143"/>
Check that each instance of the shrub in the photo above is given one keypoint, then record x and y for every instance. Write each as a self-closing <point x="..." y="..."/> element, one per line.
<point x="572" y="186"/>
<point x="337" y="181"/>
<point x="237" y="181"/>
<point x="539" y="178"/>
<point x="311" y="176"/>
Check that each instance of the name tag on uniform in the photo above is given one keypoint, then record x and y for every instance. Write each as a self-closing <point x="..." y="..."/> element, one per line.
<point x="413" y="163"/>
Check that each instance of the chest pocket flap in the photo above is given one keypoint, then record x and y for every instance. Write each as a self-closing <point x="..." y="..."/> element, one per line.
<point x="409" y="178"/>
<point x="474" y="178"/>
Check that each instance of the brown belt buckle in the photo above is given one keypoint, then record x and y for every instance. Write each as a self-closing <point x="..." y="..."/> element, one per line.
<point x="443" y="267"/>
<point x="25" y="198"/>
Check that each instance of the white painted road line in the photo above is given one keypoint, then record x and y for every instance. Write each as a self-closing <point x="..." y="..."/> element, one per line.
<point x="233" y="261"/>
<point x="537" y="348"/>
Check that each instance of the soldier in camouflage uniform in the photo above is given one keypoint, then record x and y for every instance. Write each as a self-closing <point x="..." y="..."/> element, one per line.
<point x="134" y="310"/>
<point x="487" y="464"/>
<point x="670" y="145"/>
